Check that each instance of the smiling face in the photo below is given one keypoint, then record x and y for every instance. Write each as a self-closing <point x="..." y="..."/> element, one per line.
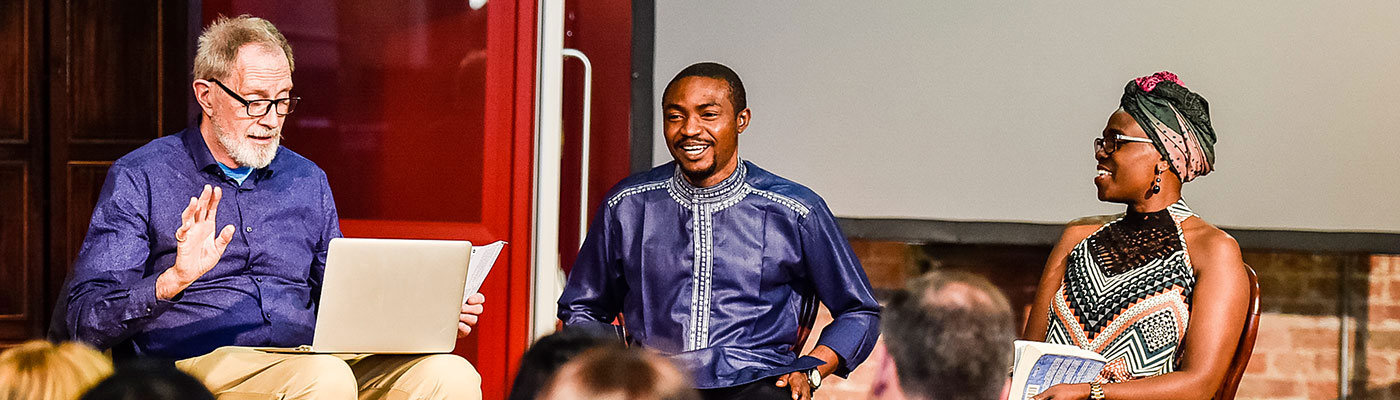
<point x="1126" y="175"/>
<point x="259" y="72"/>
<point x="702" y="128"/>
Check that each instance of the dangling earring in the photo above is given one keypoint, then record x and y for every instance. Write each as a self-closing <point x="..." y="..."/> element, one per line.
<point x="1157" y="186"/>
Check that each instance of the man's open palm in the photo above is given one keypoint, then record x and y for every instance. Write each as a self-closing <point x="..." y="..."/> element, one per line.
<point x="198" y="250"/>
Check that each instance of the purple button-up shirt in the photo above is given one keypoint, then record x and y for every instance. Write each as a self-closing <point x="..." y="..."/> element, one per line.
<point x="263" y="292"/>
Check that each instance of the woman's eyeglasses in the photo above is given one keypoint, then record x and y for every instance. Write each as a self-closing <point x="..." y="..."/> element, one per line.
<point x="1108" y="145"/>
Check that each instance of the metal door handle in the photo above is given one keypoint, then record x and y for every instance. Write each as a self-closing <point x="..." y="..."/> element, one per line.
<point x="583" y="154"/>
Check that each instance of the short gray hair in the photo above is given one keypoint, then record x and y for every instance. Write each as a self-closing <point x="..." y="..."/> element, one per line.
<point x="219" y="44"/>
<point x="950" y="335"/>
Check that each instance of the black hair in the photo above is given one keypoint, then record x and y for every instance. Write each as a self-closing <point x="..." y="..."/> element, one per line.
<point x="545" y="357"/>
<point x="149" y="380"/>
<point x="717" y="71"/>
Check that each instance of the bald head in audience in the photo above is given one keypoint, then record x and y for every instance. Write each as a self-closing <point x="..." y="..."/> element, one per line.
<point x="619" y="374"/>
<point x="948" y="335"/>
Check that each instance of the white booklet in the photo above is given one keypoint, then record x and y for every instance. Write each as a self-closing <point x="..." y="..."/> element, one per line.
<point x="1040" y="365"/>
<point x="483" y="257"/>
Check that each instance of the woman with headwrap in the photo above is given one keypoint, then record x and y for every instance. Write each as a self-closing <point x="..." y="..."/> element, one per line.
<point x="1157" y="291"/>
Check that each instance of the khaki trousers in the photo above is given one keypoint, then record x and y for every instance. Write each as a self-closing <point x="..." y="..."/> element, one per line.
<point x="236" y="373"/>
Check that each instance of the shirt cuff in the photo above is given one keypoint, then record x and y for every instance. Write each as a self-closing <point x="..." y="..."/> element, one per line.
<point x="143" y="302"/>
<point x="851" y="339"/>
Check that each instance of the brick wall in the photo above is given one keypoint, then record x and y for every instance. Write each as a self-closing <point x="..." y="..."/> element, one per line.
<point x="1379" y="342"/>
<point x="1297" y="354"/>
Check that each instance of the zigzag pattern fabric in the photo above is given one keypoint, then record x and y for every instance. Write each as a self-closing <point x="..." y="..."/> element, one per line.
<point x="1135" y="315"/>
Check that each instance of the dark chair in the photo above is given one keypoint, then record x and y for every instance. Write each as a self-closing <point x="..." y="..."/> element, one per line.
<point x="1246" y="345"/>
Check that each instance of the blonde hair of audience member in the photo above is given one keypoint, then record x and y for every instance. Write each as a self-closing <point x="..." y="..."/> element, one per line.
<point x="619" y="374"/>
<point x="219" y="44"/>
<point x="42" y="370"/>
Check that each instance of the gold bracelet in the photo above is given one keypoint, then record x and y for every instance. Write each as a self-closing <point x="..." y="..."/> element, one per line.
<point x="1095" y="391"/>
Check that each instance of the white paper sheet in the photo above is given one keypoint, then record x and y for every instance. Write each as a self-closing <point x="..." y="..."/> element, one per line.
<point x="483" y="257"/>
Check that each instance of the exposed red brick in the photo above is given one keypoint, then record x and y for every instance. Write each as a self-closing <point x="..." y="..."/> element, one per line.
<point x="1380" y="290"/>
<point x="1382" y="265"/>
<point x="1271" y="388"/>
<point x="1381" y="313"/>
<point x="1258" y="365"/>
<point x="1274" y="332"/>
<point x="1322" y="390"/>
<point x="1326" y="364"/>
<point x="886" y="263"/>
<point x="1315" y="338"/>
<point x="1381" y="370"/>
<point x="1384" y="340"/>
<point x="1296" y="362"/>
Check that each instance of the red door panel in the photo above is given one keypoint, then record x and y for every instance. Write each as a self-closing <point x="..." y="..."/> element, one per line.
<point x="421" y="113"/>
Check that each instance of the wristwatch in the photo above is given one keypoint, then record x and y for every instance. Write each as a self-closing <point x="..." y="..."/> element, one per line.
<point x="1096" y="391"/>
<point x="814" y="379"/>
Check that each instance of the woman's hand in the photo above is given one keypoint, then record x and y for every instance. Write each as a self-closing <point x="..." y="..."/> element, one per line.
<point x="1064" y="391"/>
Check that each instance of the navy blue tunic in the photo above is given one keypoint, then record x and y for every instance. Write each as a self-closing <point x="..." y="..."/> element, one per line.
<point x="716" y="276"/>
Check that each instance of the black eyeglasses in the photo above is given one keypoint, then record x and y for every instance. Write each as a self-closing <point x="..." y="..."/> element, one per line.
<point x="1110" y="144"/>
<point x="258" y="108"/>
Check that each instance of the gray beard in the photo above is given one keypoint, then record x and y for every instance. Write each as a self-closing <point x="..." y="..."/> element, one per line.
<point x="247" y="154"/>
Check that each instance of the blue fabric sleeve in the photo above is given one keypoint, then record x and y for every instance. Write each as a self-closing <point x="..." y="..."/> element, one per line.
<point x="596" y="286"/>
<point x="110" y="295"/>
<point x="841" y="284"/>
<point x="323" y="244"/>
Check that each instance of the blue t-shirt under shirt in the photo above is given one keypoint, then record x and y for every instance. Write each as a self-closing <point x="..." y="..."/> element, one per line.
<point x="238" y="174"/>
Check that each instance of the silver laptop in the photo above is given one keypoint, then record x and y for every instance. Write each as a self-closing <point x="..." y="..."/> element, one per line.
<point x="390" y="296"/>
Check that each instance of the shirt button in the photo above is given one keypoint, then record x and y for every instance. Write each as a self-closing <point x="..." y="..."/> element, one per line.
<point x="268" y="315"/>
<point x="258" y="279"/>
<point x="248" y="229"/>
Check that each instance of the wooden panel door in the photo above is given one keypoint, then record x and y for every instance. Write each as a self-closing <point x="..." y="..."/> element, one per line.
<point x="21" y="172"/>
<point x="421" y="113"/>
<point x="118" y="76"/>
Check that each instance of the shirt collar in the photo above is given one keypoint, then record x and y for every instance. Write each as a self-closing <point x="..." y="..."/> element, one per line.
<point x="725" y="189"/>
<point x="199" y="151"/>
<point x="203" y="158"/>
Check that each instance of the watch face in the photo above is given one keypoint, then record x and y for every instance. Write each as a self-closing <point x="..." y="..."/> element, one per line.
<point x="814" y="378"/>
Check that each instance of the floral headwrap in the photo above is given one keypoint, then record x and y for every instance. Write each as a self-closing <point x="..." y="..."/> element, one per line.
<point x="1177" y="120"/>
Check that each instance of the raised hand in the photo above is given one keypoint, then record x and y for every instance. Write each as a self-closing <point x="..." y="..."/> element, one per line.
<point x="198" y="250"/>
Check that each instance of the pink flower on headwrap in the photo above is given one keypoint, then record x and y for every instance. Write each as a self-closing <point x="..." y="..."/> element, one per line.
<point x="1147" y="83"/>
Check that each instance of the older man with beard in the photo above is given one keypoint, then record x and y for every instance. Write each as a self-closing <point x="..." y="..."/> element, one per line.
<point x="157" y="277"/>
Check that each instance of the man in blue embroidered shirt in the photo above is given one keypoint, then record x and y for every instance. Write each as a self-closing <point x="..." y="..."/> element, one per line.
<point x="157" y="277"/>
<point x="716" y="262"/>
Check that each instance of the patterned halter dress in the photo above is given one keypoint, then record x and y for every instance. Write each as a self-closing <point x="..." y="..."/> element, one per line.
<point x="1126" y="294"/>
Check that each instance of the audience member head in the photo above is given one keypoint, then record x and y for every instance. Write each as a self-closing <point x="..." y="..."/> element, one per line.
<point x="545" y="357"/>
<point x="149" y="380"/>
<point x="948" y="335"/>
<point x="42" y="370"/>
<point x="619" y="374"/>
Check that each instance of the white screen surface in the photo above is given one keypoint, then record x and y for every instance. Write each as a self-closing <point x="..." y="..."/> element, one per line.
<point x="986" y="110"/>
